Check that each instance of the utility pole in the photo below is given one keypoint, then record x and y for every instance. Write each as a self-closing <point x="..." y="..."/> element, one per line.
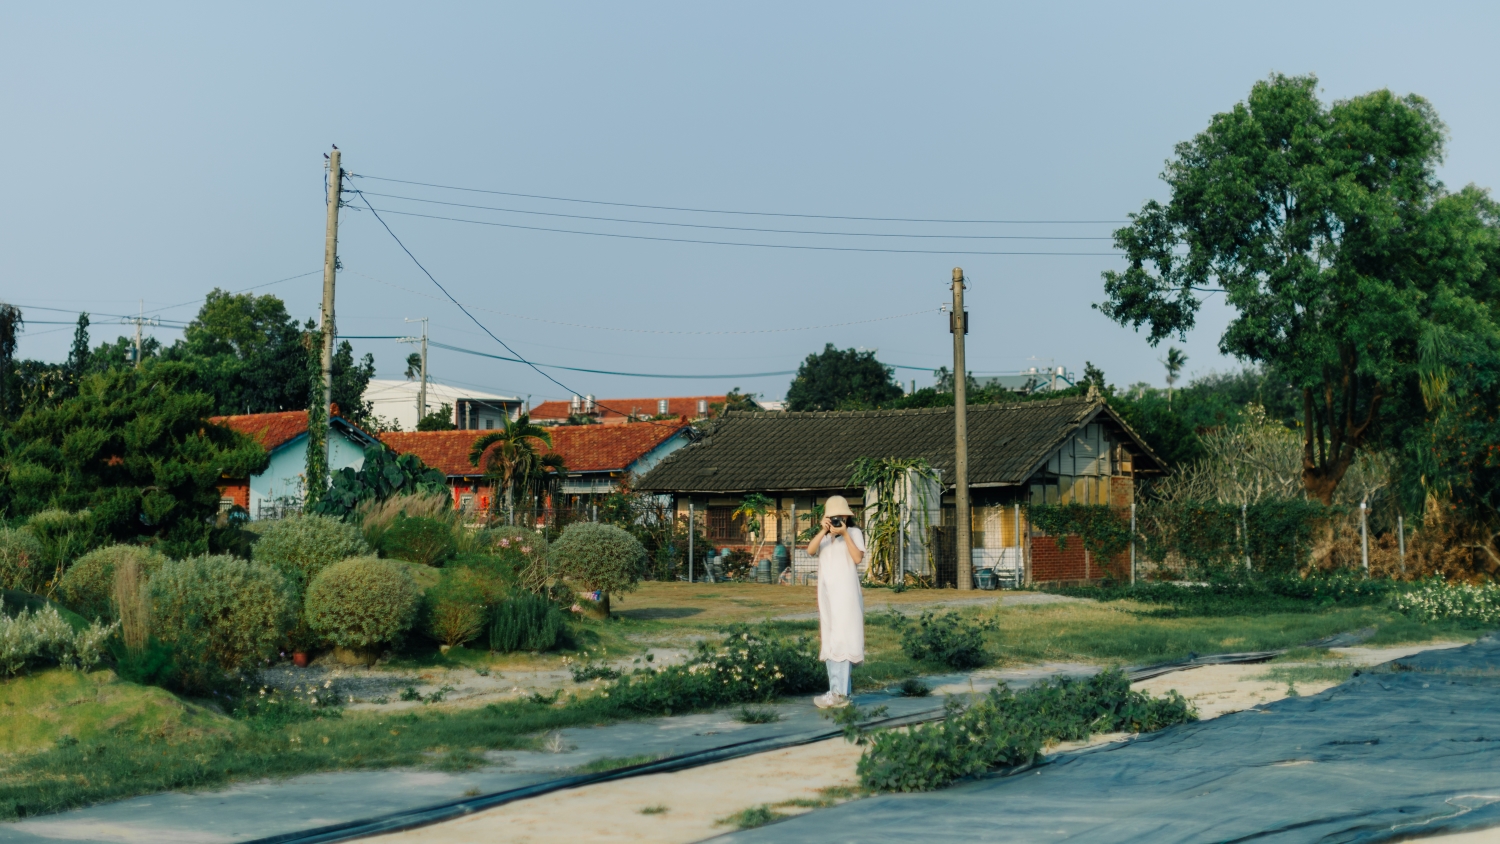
<point x="330" y="271"/>
<point x="958" y="325"/>
<point x="422" y="387"/>
<point x="139" y="321"/>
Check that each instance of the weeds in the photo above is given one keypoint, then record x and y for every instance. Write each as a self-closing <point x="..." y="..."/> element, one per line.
<point x="751" y="818"/>
<point x="658" y="809"/>
<point x="614" y="763"/>
<point x="912" y="687"/>
<point x="948" y="639"/>
<point x="750" y="715"/>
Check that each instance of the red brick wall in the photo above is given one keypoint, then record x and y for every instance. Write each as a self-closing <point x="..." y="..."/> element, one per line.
<point x="1050" y="563"/>
<point x="1121" y="491"/>
<point x="239" y="490"/>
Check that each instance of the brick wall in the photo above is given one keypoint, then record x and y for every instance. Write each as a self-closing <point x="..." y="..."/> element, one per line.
<point x="237" y="490"/>
<point x="1051" y="564"/>
<point x="1121" y="491"/>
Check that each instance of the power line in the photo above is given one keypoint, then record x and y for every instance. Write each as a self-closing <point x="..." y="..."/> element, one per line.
<point x="648" y="330"/>
<point x="739" y="228"/>
<point x="460" y="306"/>
<point x="244" y="289"/>
<point x="743" y="213"/>
<point x="373" y="209"/>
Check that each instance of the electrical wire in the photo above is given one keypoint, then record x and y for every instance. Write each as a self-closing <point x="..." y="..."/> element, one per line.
<point x="739" y="228"/>
<point x="743" y="213"/>
<point x="375" y="210"/>
<point x="471" y="317"/>
<point x="648" y="330"/>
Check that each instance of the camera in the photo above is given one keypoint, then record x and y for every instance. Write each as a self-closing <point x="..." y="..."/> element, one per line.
<point x="836" y="521"/>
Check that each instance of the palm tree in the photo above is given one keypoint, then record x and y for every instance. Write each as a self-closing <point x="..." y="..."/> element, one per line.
<point x="1176" y="359"/>
<point x="509" y="457"/>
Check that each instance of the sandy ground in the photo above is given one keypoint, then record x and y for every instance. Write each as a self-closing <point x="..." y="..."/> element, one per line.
<point x="694" y="801"/>
<point x="684" y="806"/>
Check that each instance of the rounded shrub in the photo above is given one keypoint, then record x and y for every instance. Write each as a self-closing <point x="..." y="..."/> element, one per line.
<point x="22" y="563"/>
<point x="88" y="587"/>
<point x="599" y="557"/>
<point x="362" y="602"/>
<point x="232" y="611"/>
<point x="455" y="608"/>
<point x="419" y="539"/>
<point x="303" y="546"/>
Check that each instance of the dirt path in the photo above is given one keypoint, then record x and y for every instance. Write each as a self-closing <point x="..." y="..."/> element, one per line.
<point x="692" y="803"/>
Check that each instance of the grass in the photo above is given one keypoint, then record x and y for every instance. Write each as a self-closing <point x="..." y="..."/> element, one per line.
<point x="612" y="763"/>
<point x="133" y="740"/>
<point x="658" y="809"/>
<point x="751" y="818"/>
<point x="753" y="715"/>
<point x="1293" y="674"/>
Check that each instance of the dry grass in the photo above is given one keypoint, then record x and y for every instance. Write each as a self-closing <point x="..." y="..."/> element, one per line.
<point x="130" y="595"/>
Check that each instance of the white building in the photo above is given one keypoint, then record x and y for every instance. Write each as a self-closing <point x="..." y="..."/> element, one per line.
<point x="396" y="401"/>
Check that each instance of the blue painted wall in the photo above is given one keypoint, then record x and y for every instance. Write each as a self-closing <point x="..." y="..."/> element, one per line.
<point x="284" y="478"/>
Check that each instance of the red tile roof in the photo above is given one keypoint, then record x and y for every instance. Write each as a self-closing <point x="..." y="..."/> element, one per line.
<point x="615" y="411"/>
<point x="271" y="430"/>
<point x="584" y="448"/>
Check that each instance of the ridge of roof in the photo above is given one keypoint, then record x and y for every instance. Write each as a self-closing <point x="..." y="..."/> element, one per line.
<point x="904" y="411"/>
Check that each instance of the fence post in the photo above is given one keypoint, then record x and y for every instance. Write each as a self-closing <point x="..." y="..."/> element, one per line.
<point x="1132" y="535"/>
<point x="1020" y="552"/>
<point x="1245" y="533"/>
<point x="692" y="529"/>
<point x="1401" y="540"/>
<point x="1364" y="535"/>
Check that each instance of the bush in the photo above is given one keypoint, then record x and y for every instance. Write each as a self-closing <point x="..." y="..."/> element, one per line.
<point x="751" y="665"/>
<point x="383" y="475"/>
<point x="303" y="546"/>
<point x="946" y="639"/>
<point x="1006" y="728"/>
<point x="527" y="622"/>
<point x="419" y="539"/>
<point x="363" y="602"/>
<point x="1435" y="600"/>
<point x="1239" y="595"/>
<point x="64" y="536"/>
<point x="22" y="564"/>
<point x="232" y="611"/>
<point x="455" y="609"/>
<point x="33" y="637"/>
<point x="88" y="587"/>
<point x="599" y="556"/>
<point x="181" y="670"/>
<point x="375" y="517"/>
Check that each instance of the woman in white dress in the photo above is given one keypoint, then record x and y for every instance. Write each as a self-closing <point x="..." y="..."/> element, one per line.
<point x="839" y="547"/>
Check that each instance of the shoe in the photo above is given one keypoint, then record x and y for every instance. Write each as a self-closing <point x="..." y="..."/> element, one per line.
<point x="830" y="700"/>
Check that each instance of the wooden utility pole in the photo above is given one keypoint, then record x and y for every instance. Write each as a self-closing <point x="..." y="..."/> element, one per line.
<point x="958" y="324"/>
<point x="330" y="271"/>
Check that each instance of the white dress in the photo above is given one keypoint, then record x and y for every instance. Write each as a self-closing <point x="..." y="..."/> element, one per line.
<point x="841" y="605"/>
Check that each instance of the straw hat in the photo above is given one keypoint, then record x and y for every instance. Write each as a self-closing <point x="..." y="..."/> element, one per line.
<point x="837" y="506"/>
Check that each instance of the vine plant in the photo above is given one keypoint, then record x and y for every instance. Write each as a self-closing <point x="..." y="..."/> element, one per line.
<point x="886" y="478"/>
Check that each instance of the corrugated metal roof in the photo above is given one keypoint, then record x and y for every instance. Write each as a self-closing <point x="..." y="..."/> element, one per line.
<point x="747" y="451"/>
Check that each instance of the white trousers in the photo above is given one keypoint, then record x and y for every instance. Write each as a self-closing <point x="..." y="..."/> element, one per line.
<point x="838" y="676"/>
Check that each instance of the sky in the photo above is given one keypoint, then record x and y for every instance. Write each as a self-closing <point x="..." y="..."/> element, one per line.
<point x="153" y="152"/>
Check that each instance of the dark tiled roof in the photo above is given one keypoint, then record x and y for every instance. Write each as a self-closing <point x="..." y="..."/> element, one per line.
<point x="813" y="451"/>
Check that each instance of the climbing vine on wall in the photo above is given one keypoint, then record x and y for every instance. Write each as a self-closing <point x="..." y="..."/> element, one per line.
<point x="1105" y="530"/>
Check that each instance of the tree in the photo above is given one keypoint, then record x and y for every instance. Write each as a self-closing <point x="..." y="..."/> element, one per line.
<point x="133" y="448"/>
<point x="413" y="365"/>
<point x="11" y="326"/>
<point x="438" y="420"/>
<point x="846" y="379"/>
<point x="735" y="400"/>
<point x="509" y="458"/>
<point x="1175" y="360"/>
<point x="248" y="352"/>
<point x="1330" y="236"/>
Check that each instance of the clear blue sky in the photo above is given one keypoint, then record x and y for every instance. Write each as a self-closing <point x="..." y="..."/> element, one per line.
<point x="156" y="151"/>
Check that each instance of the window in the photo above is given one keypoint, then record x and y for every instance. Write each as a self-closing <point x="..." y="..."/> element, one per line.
<point x="225" y="503"/>
<point x="489" y="424"/>
<point x="724" y="526"/>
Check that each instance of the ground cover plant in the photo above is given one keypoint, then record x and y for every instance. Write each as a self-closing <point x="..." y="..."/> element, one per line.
<point x="948" y="639"/>
<point x="1435" y="600"/>
<point x="1006" y="728"/>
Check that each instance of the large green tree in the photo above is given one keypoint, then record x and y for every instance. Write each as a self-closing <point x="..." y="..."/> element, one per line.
<point x="135" y="449"/>
<point x="1330" y="236"/>
<point x="842" y="379"/>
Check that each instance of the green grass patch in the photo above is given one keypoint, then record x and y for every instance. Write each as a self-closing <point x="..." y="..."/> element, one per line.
<point x="752" y="715"/>
<point x="1293" y="674"/>
<point x="658" y="809"/>
<point x="751" y="818"/>
<point x="614" y="763"/>
<point x="39" y="710"/>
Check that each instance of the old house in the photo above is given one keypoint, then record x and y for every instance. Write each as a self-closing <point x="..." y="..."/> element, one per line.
<point x="598" y="458"/>
<point x="1020" y="453"/>
<point x="281" y="487"/>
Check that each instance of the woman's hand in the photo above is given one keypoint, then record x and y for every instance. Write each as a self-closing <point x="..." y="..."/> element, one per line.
<point x="839" y="530"/>
<point x="827" y="525"/>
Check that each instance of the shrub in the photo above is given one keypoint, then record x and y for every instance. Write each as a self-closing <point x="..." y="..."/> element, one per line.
<point x="383" y="474"/>
<point x="32" y="637"/>
<point x="738" y="564"/>
<point x="303" y="546"/>
<point x="22" y="564"/>
<point x="527" y="622"/>
<point x="375" y="517"/>
<point x="1435" y="600"/>
<point x="1006" y="728"/>
<point x="88" y="587"/>
<point x="182" y="670"/>
<point x="455" y="609"/>
<point x="599" y="556"/>
<point x="419" y="539"/>
<point x="236" y="611"/>
<point x="64" y="536"/>
<point x="362" y="602"/>
<point x="946" y="639"/>
<point x="751" y="665"/>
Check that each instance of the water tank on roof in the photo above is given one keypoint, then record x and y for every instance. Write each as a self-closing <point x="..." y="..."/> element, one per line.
<point x="575" y="404"/>
<point x="661" y="406"/>
<point x="588" y="403"/>
<point x="702" y="407"/>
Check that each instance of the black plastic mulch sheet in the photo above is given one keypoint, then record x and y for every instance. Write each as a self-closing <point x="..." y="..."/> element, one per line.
<point x="1406" y="750"/>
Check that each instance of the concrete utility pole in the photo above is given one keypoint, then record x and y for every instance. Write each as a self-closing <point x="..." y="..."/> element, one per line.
<point x="330" y="270"/>
<point x="422" y="386"/>
<point x="139" y="321"/>
<point x="958" y="324"/>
